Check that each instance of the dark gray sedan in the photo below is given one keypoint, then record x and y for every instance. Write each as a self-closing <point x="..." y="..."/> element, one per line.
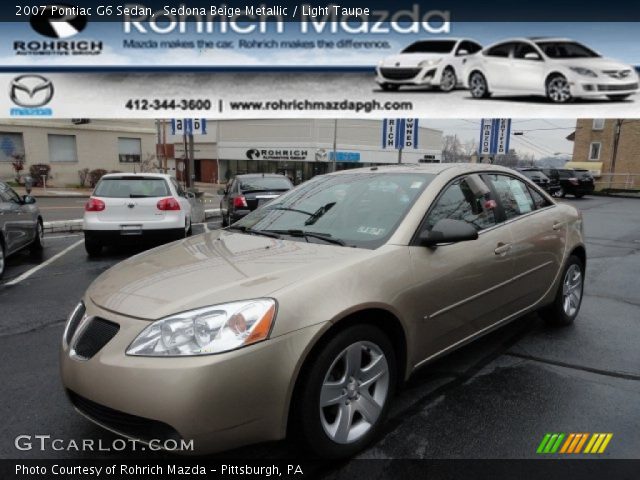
<point x="20" y="224"/>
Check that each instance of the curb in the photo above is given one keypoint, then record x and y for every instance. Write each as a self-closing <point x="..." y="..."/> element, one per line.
<point x="63" y="226"/>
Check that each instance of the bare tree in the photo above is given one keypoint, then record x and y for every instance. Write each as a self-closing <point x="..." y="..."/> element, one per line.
<point x="148" y="164"/>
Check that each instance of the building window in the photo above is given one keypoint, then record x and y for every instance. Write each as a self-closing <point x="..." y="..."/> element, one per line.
<point x="594" y="151"/>
<point x="129" y="150"/>
<point x="62" y="148"/>
<point x="598" y="124"/>
<point x="11" y="145"/>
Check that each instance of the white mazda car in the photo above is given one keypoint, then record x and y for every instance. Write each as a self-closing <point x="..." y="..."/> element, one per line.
<point x="128" y="207"/>
<point x="558" y="68"/>
<point x="436" y="63"/>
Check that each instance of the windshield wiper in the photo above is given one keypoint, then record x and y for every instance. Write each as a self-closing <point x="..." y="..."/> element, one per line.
<point x="252" y="231"/>
<point x="287" y="209"/>
<point x="319" y="213"/>
<point x="305" y="234"/>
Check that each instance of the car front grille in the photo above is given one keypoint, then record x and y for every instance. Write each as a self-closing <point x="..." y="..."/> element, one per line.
<point x="617" y="73"/>
<point x="95" y="336"/>
<point x="74" y="321"/>
<point x="617" y="88"/>
<point x="399" y="73"/>
<point x="132" y="426"/>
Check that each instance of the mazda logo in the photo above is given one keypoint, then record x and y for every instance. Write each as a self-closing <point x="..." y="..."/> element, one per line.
<point x="31" y="91"/>
<point x="253" y="154"/>
<point x="56" y="25"/>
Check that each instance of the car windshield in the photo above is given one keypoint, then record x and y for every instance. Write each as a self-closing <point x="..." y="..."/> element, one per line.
<point x="566" y="50"/>
<point x="132" y="187"/>
<point x="264" y="183"/>
<point x="358" y="209"/>
<point x="431" y="46"/>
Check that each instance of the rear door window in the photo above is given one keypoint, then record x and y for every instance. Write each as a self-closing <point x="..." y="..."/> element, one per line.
<point x="513" y="195"/>
<point x="132" y="187"/>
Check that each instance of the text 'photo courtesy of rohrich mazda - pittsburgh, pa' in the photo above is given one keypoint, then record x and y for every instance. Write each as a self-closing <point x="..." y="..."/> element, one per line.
<point x="558" y="68"/>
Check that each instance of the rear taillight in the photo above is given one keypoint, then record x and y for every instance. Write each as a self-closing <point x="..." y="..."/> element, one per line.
<point x="168" y="204"/>
<point x="574" y="181"/>
<point x="94" y="205"/>
<point x="240" y="202"/>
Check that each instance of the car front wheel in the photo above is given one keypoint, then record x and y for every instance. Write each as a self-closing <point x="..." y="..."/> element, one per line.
<point x="448" y="81"/>
<point x="2" y="258"/>
<point x="558" y="89"/>
<point x="38" y="242"/>
<point x="566" y="305"/>
<point x="345" y="395"/>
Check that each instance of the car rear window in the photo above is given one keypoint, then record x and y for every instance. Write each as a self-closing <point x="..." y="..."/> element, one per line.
<point x="264" y="183"/>
<point x="132" y="187"/>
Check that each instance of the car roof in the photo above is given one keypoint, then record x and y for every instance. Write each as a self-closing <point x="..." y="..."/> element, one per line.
<point x="531" y="40"/>
<point x="433" y="168"/>
<point x="142" y="175"/>
<point x="260" y="175"/>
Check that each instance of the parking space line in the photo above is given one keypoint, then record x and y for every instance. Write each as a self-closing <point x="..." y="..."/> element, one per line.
<point x="28" y="273"/>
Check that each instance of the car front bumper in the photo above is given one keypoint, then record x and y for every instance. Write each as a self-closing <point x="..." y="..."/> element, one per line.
<point x="219" y="401"/>
<point x="598" y="87"/>
<point x="430" y="75"/>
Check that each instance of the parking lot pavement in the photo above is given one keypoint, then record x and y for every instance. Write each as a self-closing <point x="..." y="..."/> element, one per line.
<point x="495" y="398"/>
<point x="55" y="209"/>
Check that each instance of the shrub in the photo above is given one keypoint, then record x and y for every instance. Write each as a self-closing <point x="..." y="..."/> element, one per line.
<point x="37" y="171"/>
<point x="95" y="176"/>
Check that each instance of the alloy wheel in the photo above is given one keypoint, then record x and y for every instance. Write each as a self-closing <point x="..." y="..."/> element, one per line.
<point x="558" y="90"/>
<point x="478" y="85"/>
<point x="448" y="81"/>
<point x="1" y="259"/>
<point x="572" y="290"/>
<point x="354" y="392"/>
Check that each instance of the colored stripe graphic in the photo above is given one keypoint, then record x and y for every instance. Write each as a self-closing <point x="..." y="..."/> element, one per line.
<point x="573" y="443"/>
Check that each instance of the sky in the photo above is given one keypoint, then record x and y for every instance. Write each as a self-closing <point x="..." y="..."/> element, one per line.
<point x="541" y="137"/>
<point x="620" y="40"/>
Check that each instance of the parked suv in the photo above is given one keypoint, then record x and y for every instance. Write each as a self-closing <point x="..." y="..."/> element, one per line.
<point x="573" y="182"/>
<point x="20" y="224"/>
<point x="539" y="178"/>
<point x="247" y="192"/>
<point x="126" y="206"/>
<point x="436" y="63"/>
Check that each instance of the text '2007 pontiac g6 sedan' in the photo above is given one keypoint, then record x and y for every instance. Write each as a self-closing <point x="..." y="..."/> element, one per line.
<point x="306" y="315"/>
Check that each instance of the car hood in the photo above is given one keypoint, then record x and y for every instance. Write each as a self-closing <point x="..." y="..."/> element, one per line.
<point x="598" y="63"/>
<point x="410" y="59"/>
<point x="210" y="269"/>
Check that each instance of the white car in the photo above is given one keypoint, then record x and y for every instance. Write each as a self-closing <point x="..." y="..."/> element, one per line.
<point x="437" y="63"/>
<point x="558" y="68"/>
<point x="135" y="207"/>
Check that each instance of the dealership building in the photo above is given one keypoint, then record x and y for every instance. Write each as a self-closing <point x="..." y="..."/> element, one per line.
<point x="71" y="145"/>
<point x="298" y="148"/>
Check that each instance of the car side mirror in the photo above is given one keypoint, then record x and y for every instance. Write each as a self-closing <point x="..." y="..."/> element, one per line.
<point x="448" y="231"/>
<point x="532" y="56"/>
<point x="463" y="52"/>
<point x="190" y="195"/>
<point x="222" y="191"/>
<point x="28" y="200"/>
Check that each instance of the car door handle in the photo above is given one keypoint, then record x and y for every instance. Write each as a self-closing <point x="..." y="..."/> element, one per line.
<point x="558" y="225"/>
<point x="502" y="249"/>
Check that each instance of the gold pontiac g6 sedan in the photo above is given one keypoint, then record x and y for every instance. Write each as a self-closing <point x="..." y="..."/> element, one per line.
<point x="306" y="315"/>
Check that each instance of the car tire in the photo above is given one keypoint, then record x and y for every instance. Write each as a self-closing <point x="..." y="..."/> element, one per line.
<point x="560" y="193"/>
<point x="478" y="86"/>
<point x="578" y="195"/>
<point x="189" y="229"/>
<point x="566" y="305"/>
<point x="38" y="242"/>
<point x="618" y="98"/>
<point x="3" y="257"/>
<point x="92" y="247"/>
<point x="558" y="89"/>
<point x="448" y="81"/>
<point x="329" y="374"/>
<point x="389" y="87"/>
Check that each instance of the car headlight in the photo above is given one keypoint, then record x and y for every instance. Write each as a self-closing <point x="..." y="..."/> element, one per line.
<point x="429" y="63"/>
<point x="209" y="330"/>
<point x="584" y="71"/>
